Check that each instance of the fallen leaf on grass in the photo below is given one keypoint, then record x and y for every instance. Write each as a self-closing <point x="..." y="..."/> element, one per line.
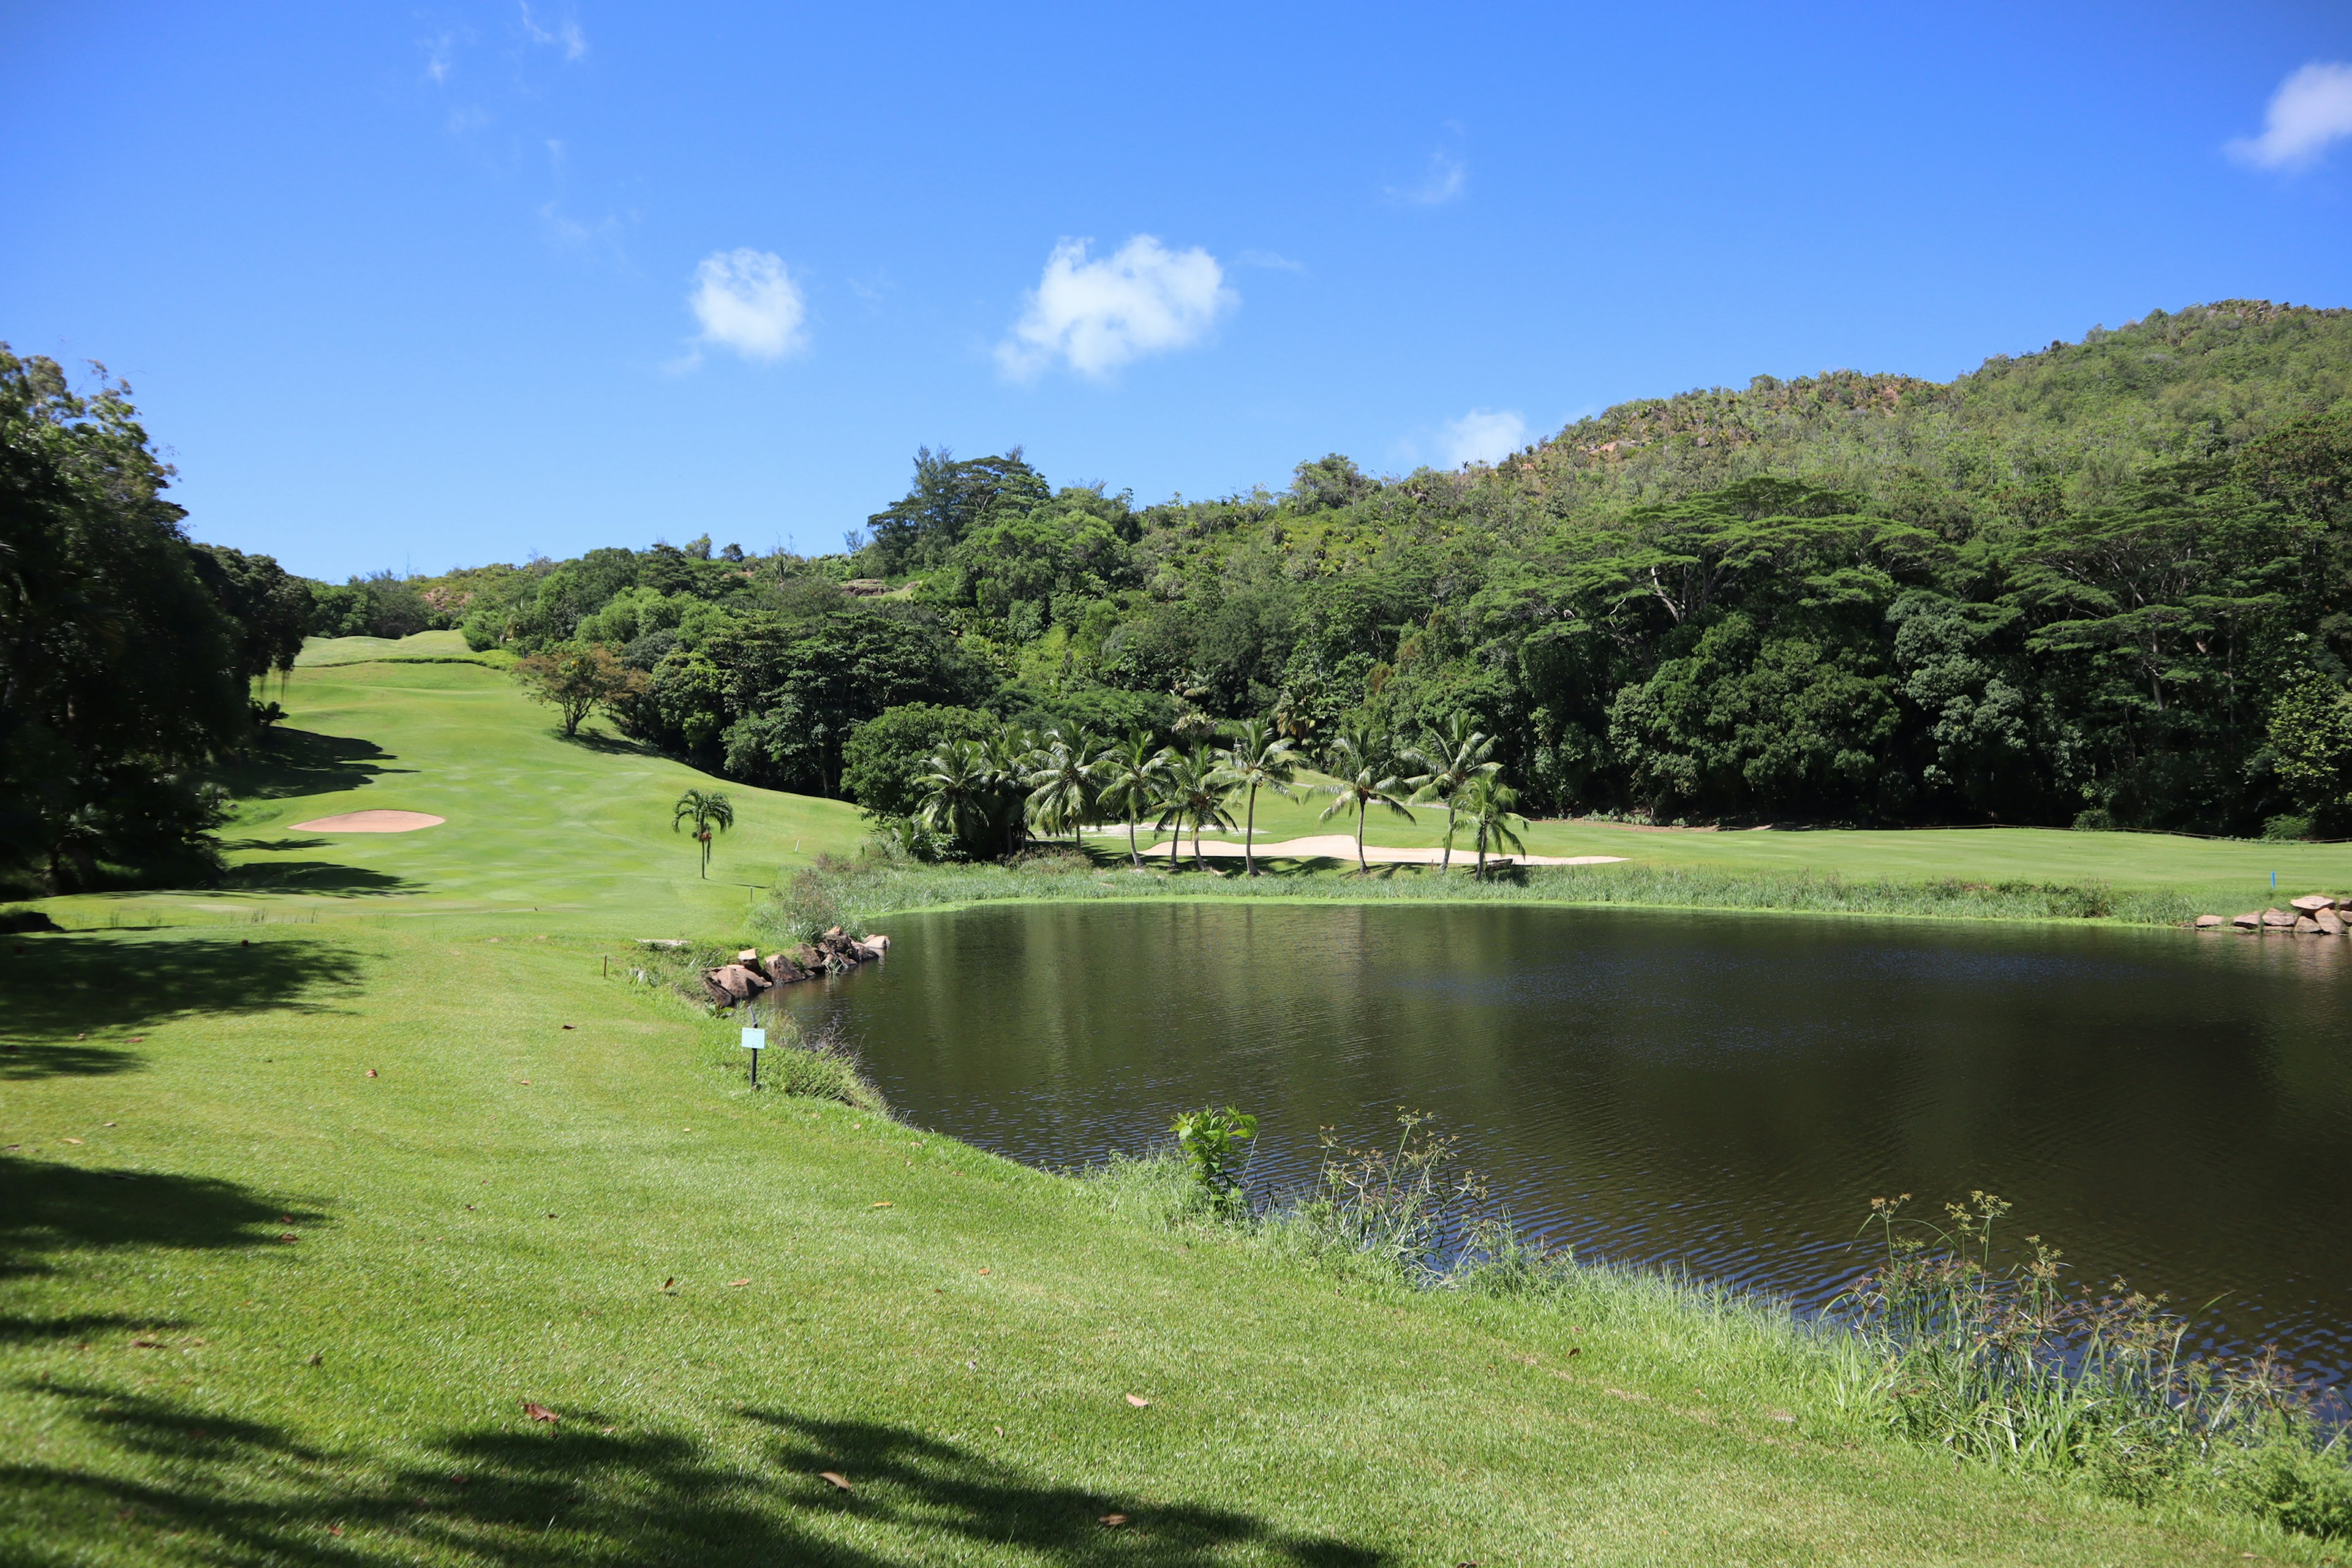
<point x="735" y="1282"/>
<point x="670" y="1283"/>
<point x="1114" y="1519"/>
<point x="840" y="1481"/>
<point x="535" y="1411"/>
<point x="147" y="1344"/>
<point x="1138" y="1401"/>
<point x="73" y="1139"/>
<point x="289" y="1235"/>
<point x="317" y="1358"/>
<point x="567" y="1026"/>
<point x="1780" y="1416"/>
<point x="983" y="1271"/>
<point x="885" y="1204"/>
<point x="334" y="1530"/>
<point x="370" y="1072"/>
<point x="113" y="1124"/>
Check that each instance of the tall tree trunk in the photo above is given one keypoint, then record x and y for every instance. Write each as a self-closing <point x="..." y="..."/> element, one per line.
<point x="1249" y="833"/>
<point x="1133" y="854"/>
<point x="1363" y="869"/>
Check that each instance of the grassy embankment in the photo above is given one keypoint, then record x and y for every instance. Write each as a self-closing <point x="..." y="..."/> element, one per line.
<point x="485" y="1208"/>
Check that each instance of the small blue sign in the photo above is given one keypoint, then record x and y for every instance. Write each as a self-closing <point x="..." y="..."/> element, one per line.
<point x="755" y="1039"/>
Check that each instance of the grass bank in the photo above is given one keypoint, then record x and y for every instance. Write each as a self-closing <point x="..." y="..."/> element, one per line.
<point x="857" y="892"/>
<point x="302" y="1222"/>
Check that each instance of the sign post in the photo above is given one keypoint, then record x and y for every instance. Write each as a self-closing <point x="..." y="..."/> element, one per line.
<point x="755" y="1041"/>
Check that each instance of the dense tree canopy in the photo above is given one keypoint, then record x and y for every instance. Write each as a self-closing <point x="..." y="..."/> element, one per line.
<point x="2107" y="582"/>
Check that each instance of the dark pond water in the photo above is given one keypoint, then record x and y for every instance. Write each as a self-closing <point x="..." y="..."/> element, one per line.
<point x="1722" y="1091"/>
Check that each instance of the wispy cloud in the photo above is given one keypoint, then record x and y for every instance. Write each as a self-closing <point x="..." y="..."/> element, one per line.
<point x="1095" y="315"/>
<point x="1269" y="261"/>
<point x="564" y="35"/>
<point x="440" y="57"/>
<point x="747" y="302"/>
<point x="1447" y="178"/>
<point x="1484" y="435"/>
<point x="2311" y="109"/>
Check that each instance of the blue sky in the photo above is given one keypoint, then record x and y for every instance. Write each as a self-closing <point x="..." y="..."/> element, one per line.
<point x="418" y="287"/>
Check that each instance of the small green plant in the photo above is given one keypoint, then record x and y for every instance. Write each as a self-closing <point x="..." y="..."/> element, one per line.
<point x="1211" y="1140"/>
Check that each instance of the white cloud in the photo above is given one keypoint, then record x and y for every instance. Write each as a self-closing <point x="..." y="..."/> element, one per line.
<point x="1446" y="177"/>
<point x="747" y="302"/>
<point x="2311" y="109"/>
<point x="1484" y="435"/>
<point x="1097" y="315"/>
<point x="565" y="34"/>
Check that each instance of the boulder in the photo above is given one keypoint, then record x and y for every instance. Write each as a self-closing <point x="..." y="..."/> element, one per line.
<point x="732" y="983"/>
<point x="2305" y="926"/>
<point x="2330" y="922"/>
<point x="2210" y="922"/>
<point x="782" y="970"/>
<point x="2250" y="921"/>
<point x="878" y="941"/>
<point x="2312" y="903"/>
<point x="2279" y="919"/>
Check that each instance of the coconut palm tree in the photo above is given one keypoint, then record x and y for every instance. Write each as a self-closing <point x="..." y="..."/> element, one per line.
<point x="1488" y="802"/>
<point x="1451" y="754"/>
<point x="1064" y="781"/>
<point x="1131" y="775"/>
<point x="1258" y="759"/>
<point x="1195" y="791"/>
<point x="1008" y="756"/>
<point x="958" y="792"/>
<point x="1358" y="790"/>
<point x="707" y="809"/>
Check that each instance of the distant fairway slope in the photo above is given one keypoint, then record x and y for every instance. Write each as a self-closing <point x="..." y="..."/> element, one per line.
<point x="578" y="831"/>
<point x="395" y="1229"/>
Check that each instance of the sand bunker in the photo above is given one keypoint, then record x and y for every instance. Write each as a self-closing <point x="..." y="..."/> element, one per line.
<point x="370" y="822"/>
<point x="1341" y="846"/>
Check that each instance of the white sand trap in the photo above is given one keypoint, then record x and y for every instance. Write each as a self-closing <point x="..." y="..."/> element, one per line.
<point x="1341" y="846"/>
<point x="370" y="822"/>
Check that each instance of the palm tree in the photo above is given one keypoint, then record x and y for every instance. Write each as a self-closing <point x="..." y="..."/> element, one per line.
<point x="1452" y="755"/>
<point x="1195" y="792"/>
<point x="1131" y="774"/>
<point x="1358" y="790"/>
<point x="705" y="809"/>
<point x="1258" y="758"/>
<point x="1008" y="755"/>
<point x="1488" y="802"/>
<point x="1064" y="781"/>
<point x="958" y="791"/>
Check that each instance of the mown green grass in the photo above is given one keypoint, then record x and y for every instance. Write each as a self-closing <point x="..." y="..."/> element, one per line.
<point x="491" y="1219"/>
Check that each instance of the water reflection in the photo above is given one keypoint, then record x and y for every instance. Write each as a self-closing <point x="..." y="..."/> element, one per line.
<point x="1718" y="1091"/>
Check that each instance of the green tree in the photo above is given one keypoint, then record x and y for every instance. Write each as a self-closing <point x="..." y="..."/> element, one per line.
<point x="2311" y="744"/>
<point x="1362" y="788"/>
<point x="707" y="810"/>
<point x="1194" y="789"/>
<point x="958" y="790"/>
<point x="577" y="680"/>
<point x="1132" y="772"/>
<point x="1065" y="783"/>
<point x="1454" y="751"/>
<point x="887" y="756"/>
<point x="1490" y="804"/>
<point x="1259" y="759"/>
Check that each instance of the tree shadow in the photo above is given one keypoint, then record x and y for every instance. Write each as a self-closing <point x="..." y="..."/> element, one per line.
<point x="299" y="762"/>
<point x="607" y="745"/>
<point x="83" y="982"/>
<point x="275" y="845"/>
<point x="52" y="1208"/>
<point x="22" y="1063"/>
<point x="244" y="1491"/>
<point x="327" y="877"/>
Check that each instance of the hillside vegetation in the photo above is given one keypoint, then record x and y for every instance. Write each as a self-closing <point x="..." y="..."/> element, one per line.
<point x="2101" y="584"/>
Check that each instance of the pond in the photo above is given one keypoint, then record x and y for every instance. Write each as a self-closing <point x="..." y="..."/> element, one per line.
<point x="1723" y="1092"/>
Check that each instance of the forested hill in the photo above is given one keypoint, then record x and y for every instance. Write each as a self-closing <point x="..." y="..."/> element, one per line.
<point x="2105" y="581"/>
<point x="2071" y="420"/>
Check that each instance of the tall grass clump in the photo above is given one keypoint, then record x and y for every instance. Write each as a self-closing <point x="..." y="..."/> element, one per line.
<point x="2007" y="1363"/>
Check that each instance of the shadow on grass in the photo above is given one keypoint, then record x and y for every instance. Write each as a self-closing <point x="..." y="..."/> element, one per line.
<point x="316" y="877"/>
<point x="604" y="744"/>
<point x="242" y="1491"/>
<point x="52" y="1208"/>
<point x="82" y="982"/>
<point x="298" y="762"/>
